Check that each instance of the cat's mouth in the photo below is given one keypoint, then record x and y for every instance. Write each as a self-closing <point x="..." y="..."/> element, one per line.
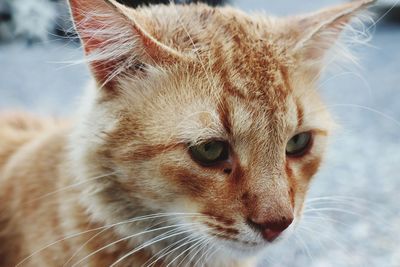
<point x="247" y="242"/>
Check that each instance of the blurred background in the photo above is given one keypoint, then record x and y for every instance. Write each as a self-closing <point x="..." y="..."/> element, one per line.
<point x="353" y="213"/>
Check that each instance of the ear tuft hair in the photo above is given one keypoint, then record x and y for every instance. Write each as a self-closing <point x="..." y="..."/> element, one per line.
<point x="319" y="32"/>
<point x="113" y="40"/>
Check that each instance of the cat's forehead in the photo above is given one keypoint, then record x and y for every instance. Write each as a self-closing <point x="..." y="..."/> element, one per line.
<point x="223" y="97"/>
<point x="255" y="77"/>
<point x="238" y="75"/>
<point x="233" y="52"/>
<point x="236" y="102"/>
<point x="228" y="105"/>
<point x="248" y="65"/>
<point x="252" y="83"/>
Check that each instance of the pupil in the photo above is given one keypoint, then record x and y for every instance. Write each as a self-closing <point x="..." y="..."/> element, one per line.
<point x="207" y="147"/>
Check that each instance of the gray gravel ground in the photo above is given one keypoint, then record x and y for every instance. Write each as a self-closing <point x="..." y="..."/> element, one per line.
<point x="353" y="217"/>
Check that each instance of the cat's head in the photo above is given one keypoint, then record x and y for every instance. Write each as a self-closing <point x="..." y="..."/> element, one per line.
<point x="207" y="117"/>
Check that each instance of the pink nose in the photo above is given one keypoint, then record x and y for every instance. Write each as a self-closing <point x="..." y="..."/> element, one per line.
<point x="271" y="229"/>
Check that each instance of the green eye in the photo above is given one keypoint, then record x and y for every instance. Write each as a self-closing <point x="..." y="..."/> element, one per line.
<point x="299" y="144"/>
<point x="210" y="153"/>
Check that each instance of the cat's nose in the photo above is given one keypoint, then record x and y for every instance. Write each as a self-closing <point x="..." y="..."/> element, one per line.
<point x="271" y="229"/>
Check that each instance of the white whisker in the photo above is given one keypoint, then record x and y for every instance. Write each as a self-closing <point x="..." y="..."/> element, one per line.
<point x="390" y="118"/>
<point x="151" y="242"/>
<point x="130" y="237"/>
<point x="137" y="219"/>
<point x="84" y="244"/>
<point x="305" y="247"/>
<point x="73" y="185"/>
<point x="164" y="252"/>
<point x="201" y="249"/>
<point x="196" y="240"/>
<point x="384" y="15"/>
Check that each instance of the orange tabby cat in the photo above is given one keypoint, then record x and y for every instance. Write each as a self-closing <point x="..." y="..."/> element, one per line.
<point x="195" y="146"/>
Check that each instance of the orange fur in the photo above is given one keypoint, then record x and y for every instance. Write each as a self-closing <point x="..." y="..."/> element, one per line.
<point x="170" y="77"/>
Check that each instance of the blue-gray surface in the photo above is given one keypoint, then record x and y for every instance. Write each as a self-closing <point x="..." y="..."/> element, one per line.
<point x="360" y="225"/>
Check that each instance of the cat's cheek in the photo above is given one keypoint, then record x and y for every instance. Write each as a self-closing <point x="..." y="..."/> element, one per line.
<point x="309" y="168"/>
<point x="301" y="172"/>
<point x="186" y="181"/>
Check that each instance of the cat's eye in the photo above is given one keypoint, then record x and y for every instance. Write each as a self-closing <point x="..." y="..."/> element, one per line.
<point x="210" y="153"/>
<point x="299" y="144"/>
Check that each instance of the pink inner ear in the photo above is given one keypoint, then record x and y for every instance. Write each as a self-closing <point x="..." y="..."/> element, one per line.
<point x="112" y="39"/>
<point x="324" y="39"/>
<point x="91" y="17"/>
<point x="319" y="31"/>
<point x="102" y="69"/>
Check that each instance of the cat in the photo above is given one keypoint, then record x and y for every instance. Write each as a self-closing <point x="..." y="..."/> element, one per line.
<point x="195" y="145"/>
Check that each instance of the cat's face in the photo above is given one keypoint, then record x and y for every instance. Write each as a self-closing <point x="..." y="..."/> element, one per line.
<point x="242" y="161"/>
<point x="226" y="138"/>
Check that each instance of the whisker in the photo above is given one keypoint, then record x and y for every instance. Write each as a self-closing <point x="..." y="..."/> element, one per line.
<point x="212" y="253"/>
<point x="352" y="202"/>
<point x="159" y="255"/>
<point x="151" y="242"/>
<point x="72" y="186"/>
<point x="390" y="118"/>
<point x="201" y="249"/>
<point x="316" y="235"/>
<point x="196" y="240"/>
<point x="129" y="237"/>
<point x="84" y="244"/>
<point x="136" y="219"/>
<point x="333" y="209"/>
<point x="306" y="248"/>
<point x="193" y="246"/>
<point x="323" y="218"/>
<point x="347" y="209"/>
<point x="343" y="199"/>
<point x="384" y="15"/>
<point x="210" y="239"/>
<point x="356" y="75"/>
<point x="348" y="202"/>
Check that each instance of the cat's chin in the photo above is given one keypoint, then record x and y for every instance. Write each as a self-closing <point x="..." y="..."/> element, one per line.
<point x="240" y="251"/>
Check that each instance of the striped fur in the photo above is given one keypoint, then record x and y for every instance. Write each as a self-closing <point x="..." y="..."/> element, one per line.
<point x="167" y="77"/>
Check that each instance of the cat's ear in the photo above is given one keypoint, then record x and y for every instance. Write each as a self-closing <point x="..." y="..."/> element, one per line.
<point x="114" y="40"/>
<point x="314" y="34"/>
